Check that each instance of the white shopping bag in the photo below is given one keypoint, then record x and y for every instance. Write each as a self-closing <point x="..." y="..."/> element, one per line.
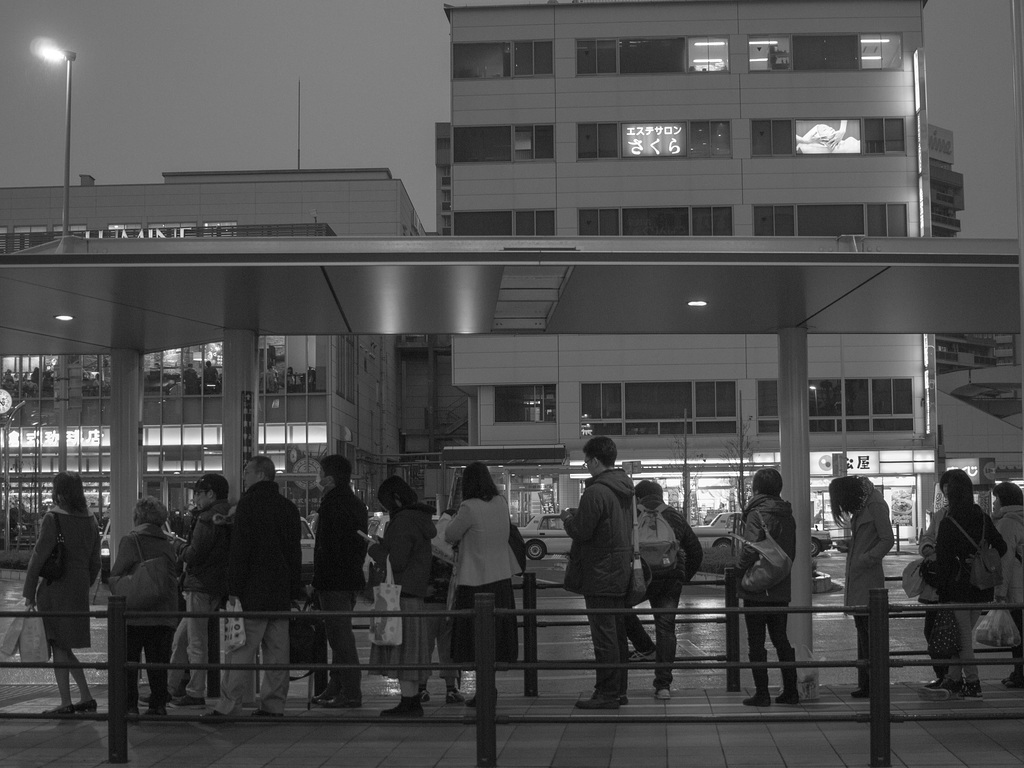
<point x="232" y="627"/>
<point x="9" y="645"/>
<point x="32" y="643"/>
<point x="806" y="677"/>
<point x="385" y="626"/>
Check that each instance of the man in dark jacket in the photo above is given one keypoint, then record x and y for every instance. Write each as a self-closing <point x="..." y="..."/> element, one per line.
<point x="205" y="585"/>
<point x="664" y="590"/>
<point x="600" y="563"/>
<point x="264" y="574"/>
<point x="338" y="575"/>
<point x="767" y="514"/>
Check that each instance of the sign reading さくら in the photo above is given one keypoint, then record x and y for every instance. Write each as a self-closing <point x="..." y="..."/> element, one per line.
<point x="653" y="139"/>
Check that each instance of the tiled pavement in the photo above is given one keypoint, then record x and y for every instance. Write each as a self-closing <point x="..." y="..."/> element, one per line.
<point x="320" y="737"/>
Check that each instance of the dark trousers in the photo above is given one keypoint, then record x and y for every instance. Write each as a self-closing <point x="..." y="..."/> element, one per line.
<point x="156" y="643"/>
<point x="774" y="625"/>
<point x="863" y="650"/>
<point x="662" y="594"/>
<point x="1017" y="652"/>
<point x="342" y="639"/>
<point x="608" y="632"/>
<point x="929" y="625"/>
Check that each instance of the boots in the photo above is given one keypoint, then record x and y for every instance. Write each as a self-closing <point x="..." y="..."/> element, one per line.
<point x="409" y="706"/>
<point x="761" y="697"/>
<point x="789" y="693"/>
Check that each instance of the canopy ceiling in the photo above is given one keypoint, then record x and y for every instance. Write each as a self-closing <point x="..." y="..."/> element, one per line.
<point x="157" y="294"/>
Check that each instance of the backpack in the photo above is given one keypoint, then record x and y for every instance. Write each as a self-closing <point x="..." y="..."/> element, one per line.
<point x="659" y="546"/>
<point x="986" y="569"/>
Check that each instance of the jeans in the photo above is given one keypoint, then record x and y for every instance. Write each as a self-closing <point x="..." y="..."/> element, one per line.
<point x="662" y="594"/>
<point x="342" y="640"/>
<point x="190" y="644"/>
<point x="608" y="633"/>
<point x="775" y="625"/>
<point x="270" y="636"/>
<point x="439" y="633"/>
<point x="155" y="641"/>
<point x="962" y="666"/>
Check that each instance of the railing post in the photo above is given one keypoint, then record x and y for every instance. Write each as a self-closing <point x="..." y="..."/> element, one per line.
<point x="732" y="632"/>
<point x="529" y="633"/>
<point x="117" y="645"/>
<point x="486" y="692"/>
<point x="213" y="657"/>
<point x="878" y="664"/>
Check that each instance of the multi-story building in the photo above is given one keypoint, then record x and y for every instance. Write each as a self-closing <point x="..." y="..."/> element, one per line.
<point x="316" y="394"/>
<point x="679" y="119"/>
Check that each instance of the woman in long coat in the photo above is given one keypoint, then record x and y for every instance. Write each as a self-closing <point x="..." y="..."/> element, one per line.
<point x="69" y="593"/>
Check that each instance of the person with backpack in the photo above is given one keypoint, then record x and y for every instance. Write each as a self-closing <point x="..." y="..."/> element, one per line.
<point x="673" y="552"/>
<point x="767" y="514"/>
<point x="964" y="533"/>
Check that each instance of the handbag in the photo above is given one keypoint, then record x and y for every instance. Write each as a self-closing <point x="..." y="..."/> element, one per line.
<point x="9" y="644"/>
<point x="944" y="641"/>
<point x="32" y="643"/>
<point x="913" y="581"/>
<point x="232" y="627"/>
<point x="150" y="583"/>
<point x="307" y="637"/>
<point x="640" y="573"/>
<point x="996" y="629"/>
<point x="385" y="627"/>
<point x="53" y="566"/>
<point x="518" y="547"/>
<point x="771" y="567"/>
<point x="986" y="565"/>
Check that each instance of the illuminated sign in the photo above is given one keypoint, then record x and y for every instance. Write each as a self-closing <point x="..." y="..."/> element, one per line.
<point x="940" y="144"/>
<point x="150" y="233"/>
<point x="980" y="470"/>
<point x="828" y="137"/>
<point x="653" y="140"/>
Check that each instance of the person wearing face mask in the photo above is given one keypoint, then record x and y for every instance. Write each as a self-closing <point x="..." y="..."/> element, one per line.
<point x="338" y="576"/>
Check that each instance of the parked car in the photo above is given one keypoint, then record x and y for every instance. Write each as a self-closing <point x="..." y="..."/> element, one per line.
<point x="307" y="541"/>
<point x="545" y="535"/>
<point x="717" y="533"/>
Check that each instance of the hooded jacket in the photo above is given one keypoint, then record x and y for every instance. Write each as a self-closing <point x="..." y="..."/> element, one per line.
<point x="206" y="555"/>
<point x="1009" y="522"/>
<point x="407" y="541"/>
<point x="774" y="516"/>
<point x="601" y="529"/>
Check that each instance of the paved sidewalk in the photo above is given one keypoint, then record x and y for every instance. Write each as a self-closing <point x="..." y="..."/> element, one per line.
<point x="329" y="737"/>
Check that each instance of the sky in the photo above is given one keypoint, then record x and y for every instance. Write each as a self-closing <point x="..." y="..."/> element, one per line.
<point x="206" y="85"/>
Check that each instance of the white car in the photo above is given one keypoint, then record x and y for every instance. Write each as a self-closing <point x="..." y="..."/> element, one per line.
<point x="545" y="535"/>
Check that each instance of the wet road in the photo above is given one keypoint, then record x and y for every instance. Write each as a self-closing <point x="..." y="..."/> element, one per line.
<point x="834" y="636"/>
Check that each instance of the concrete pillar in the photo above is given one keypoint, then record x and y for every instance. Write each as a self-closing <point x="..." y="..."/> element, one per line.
<point x="794" y="425"/>
<point x="239" y="387"/>
<point x="125" y="442"/>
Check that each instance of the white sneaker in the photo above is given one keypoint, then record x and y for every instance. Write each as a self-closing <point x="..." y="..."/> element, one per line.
<point x="642" y="656"/>
<point x="663" y="694"/>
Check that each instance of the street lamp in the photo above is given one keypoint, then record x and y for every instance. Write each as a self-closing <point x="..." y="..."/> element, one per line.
<point x="53" y="54"/>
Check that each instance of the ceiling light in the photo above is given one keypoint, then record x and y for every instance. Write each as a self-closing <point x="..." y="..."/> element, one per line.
<point x="697" y="303"/>
<point x="64" y="318"/>
<point x="764" y="42"/>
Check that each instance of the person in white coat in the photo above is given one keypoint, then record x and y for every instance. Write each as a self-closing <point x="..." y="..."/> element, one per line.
<point x="1008" y="515"/>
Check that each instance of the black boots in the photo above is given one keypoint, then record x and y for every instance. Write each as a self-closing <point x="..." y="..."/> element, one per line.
<point x="789" y="693"/>
<point x="409" y="706"/>
<point x="761" y="697"/>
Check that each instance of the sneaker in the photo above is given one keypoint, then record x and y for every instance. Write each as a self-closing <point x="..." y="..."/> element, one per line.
<point x="188" y="701"/>
<point x="971" y="691"/>
<point x="623" y="700"/>
<point x="1013" y="682"/>
<point x="598" y="702"/>
<point x="642" y="656"/>
<point x="453" y="696"/>
<point x="178" y="692"/>
<point x="156" y="709"/>
<point x="424" y="696"/>
<point x="788" y="697"/>
<point x="946" y="690"/>
<point x="759" y="699"/>
<point x="936" y="683"/>
<point x="663" y="694"/>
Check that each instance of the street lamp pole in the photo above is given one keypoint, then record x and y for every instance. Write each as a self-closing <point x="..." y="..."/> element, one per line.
<point x="69" y="56"/>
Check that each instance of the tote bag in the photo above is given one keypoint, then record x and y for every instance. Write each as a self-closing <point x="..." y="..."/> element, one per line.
<point x="150" y="583"/>
<point x="32" y="643"/>
<point x="385" y="626"/>
<point x="771" y="567"/>
<point x="232" y="627"/>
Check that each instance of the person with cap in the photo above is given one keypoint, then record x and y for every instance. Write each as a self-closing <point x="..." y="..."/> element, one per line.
<point x="205" y="585"/>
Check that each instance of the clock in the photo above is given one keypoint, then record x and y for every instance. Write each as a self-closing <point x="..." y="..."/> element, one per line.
<point x="6" y="401"/>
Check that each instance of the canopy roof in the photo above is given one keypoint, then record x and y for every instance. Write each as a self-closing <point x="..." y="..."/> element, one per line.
<point x="150" y="294"/>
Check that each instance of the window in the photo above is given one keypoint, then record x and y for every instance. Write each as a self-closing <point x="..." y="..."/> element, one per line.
<point x="881" y="51"/>
<point x="768" y="53"/>
<point x="826" y="52"/>
<point x="601" y="401"/>
<point x="828" y="137"/>
<point x="595" y="140"/>
<point x="654" y="140"/>
<point x="655" y="221"/>
<point x="529" y="403"/>
<point x="773" y="221"/>
<point x="482" y="144"/>
<point x="595" y="57"/>
<point x="533" y="58"/>
<point x="534" y="142"/>
<point x="884" y="135"/>
<point x="767" y="406"/>
<point x="475" y="60"/>
<point x="530" y="223"/>
<point x="712" y="221"/>
<point x="710" y="138"/>
<point x="708" y="54"/>
<point x="483" y="223"/>
<point x="771" y="137"/>
<point x="856" y="405"/>
<point x="652" y="55"/>
<point x="887" y="220"/>
<point x="599" y="221"/>
<point x="830" y="220"/>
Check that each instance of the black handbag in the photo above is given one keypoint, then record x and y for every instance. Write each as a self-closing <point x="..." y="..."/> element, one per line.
<point x="944" y="641"/>
<point x="307" y="638"/>
<point x="53" y="566"/>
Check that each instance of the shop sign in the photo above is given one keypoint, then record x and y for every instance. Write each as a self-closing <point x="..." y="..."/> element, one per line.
<point x="862" y="462"/>
<point x="979" y="469"/>
<point x="653" y="140"/>
<point x="50" y="438"/>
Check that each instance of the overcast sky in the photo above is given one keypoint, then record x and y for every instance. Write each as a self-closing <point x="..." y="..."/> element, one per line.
<point x="195" y="85"/>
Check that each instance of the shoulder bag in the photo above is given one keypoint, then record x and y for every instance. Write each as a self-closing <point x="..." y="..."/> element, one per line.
<point x="53" y="566"/>
<point x="986" y="569"/>
<point x="771" y="567"/>
<point x="148" y="584"/>
<point x="640" y="573"/>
